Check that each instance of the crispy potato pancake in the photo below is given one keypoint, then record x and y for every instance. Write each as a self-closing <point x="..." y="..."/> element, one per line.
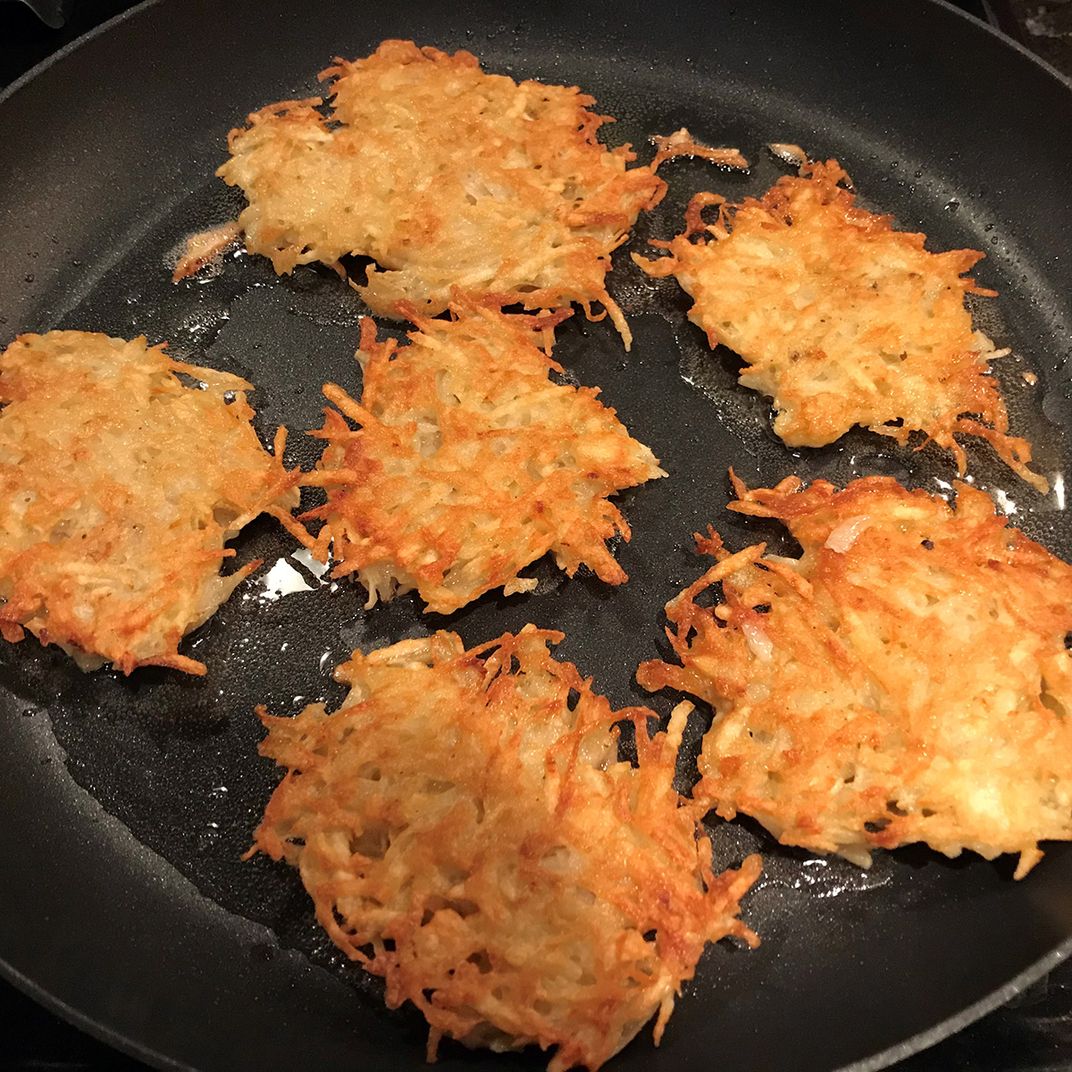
<point x="470" y="463"/>
<point x="446" y="177"/>
<point x="842" y="320"/>
<point x="119" y="486"/>
<point x="465" y="830"/>
<point x="905" y="680"/>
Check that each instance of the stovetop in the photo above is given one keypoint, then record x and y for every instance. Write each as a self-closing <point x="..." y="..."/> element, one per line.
<point x="1033" y="1033"/>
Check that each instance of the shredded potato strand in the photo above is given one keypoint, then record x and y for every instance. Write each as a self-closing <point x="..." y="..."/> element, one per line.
<point x="905" y="680"/>
<point x="842" y="320"/>
<point x="203" y="248"/>
<point x="466" y="831"/>
<point x="119" y="487"/>
<point x="446" y="177"/>
<point x="470" y="463"/>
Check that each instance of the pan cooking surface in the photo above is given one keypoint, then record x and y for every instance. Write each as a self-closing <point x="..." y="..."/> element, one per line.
<point x="132" y="800"/>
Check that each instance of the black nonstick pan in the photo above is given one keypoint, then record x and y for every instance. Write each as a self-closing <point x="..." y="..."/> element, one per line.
<point x="127" y="803"/>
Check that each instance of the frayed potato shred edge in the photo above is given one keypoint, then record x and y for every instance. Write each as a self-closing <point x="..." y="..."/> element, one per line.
<point x="446" y="177"/>
<point x="842" y="320"/>
<point x="468" y="463"/>
<point x="120" y="485"/>
<point x="906" y="679"/>
<point x="465" y="830"/>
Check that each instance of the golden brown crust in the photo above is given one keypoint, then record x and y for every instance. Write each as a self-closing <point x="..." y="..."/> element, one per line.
<point x="119" y="487"/>
<point x="905" y="680"/>
<point x="465" y="830"/>
<point x="842" y="320"/>
<point x="469" y="463"/>
<point x="446" y="177"/>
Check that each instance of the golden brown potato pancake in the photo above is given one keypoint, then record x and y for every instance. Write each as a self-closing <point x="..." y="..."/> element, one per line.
<point x="465" y="830"/>
<point x="446" y="177"/>
<point x="470" y="463"/>
<point x="842" y="320"/>
<point x="906" y="679"/>
<point x="119" y="486"/>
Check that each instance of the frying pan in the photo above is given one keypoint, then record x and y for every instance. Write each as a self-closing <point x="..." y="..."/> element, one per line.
<point x="128" y="802"/>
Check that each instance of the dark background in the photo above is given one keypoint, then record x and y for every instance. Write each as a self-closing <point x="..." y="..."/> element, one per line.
<point x="1031" y="1034"/>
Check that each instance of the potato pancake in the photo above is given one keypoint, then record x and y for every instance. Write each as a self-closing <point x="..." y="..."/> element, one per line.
<point x="446" y="177"/>
<point x="470" y="463"/>
<point x="842" y="320"/>
<point x="119" y="486"/>
<point x="905" y="680"/>
<point x="465" y="830"/>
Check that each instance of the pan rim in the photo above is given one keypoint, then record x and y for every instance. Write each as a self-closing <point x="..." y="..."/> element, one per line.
<point x="922" y="1040"/>
<point x="887" y="1058"/>
<point x="94" y="1028"/>
<point x="1004" y="38"/>
<point x="62" y="53"/>
<point x="949" y="1027"/>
